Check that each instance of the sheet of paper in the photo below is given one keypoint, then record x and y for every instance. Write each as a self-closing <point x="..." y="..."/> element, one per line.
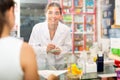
<point x="46" y="73"/>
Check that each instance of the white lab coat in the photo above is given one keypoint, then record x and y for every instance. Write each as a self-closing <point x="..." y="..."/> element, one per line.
<point x="40" y="38"/>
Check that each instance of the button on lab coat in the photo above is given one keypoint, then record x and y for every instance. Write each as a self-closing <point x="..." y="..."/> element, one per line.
<point x="40" y="38"/>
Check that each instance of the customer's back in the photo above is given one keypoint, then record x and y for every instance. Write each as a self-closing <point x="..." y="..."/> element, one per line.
<point x="10" y="68"/>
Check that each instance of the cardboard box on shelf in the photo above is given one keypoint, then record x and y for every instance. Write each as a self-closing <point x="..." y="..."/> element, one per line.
<point x="117" y="10"/>
<point x="115" y="18"/>
<point x="115" y="26"/>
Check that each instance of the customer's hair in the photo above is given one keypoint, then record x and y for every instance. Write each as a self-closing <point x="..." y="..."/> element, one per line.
<point x="4" y="6"/>
<point x="53" y="4"/>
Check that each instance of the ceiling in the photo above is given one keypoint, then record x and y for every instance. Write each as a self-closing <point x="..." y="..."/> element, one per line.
<point x="33" y="4"/>
<point x="34" y="1"/>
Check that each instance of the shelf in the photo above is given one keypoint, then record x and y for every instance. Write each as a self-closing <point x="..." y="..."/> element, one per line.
<point x="67" y="7"/>
<point x="115" y="26"/>
<point x="79" y="7"/>
<point x="78" y="32"/>
<point x="89" y="7"/>
<point x="85" y="13"/>
<point x="78" y="45"/>
<point x="83" y="32"/>
<point x="67" y="22"/>
<point x="77" y="52"/>
<point x="78" y="23"/>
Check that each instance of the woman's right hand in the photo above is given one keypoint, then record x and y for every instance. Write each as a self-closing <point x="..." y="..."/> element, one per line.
<point x="50" y="47"/>
<point x="53" y="77"/>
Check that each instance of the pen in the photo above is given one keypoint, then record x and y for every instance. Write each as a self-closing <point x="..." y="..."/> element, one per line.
<point x="52" y="67"/>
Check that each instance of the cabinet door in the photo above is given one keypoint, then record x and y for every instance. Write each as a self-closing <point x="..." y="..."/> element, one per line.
<point x="86" y="24"/>
<point x="107" y="10"/>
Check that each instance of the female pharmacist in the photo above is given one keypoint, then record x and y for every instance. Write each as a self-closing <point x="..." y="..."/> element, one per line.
<point x="51" y="39"/>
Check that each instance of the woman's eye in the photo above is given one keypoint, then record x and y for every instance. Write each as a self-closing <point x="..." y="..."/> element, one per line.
<point x="54" y="13"/>
<point x="57" y="13"/>
<point x="49" y="12"/>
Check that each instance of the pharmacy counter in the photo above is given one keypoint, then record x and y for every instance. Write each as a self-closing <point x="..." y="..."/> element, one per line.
<point x="109" y="71"/>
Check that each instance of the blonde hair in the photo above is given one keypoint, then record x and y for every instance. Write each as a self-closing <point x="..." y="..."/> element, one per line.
<point x="53" y="4"/>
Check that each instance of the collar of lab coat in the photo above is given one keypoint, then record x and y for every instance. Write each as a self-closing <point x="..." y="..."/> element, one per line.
<point x="57" y="33"/>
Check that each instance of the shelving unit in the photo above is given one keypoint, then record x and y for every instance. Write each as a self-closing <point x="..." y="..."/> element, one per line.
<point x="107" y="18"/>
<point x="80" y="15"/>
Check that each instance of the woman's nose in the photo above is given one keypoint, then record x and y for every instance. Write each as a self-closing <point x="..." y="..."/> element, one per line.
<point x="53" y="15"/>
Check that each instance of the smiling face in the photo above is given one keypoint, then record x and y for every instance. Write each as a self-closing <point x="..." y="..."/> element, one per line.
<point x="53" y="15"/>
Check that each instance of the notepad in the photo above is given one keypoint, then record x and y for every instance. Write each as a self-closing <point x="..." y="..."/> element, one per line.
<point x="46" y="73"/>
<point x="54" y="50"/>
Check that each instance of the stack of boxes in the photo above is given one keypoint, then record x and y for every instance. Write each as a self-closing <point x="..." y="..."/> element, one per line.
<point x="115" y="28"/>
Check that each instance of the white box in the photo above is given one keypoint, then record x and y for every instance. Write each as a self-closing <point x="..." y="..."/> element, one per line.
<point x="91" y="67"/>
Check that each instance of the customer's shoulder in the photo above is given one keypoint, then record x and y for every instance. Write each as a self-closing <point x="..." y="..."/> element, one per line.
<point x="26" y="47"/>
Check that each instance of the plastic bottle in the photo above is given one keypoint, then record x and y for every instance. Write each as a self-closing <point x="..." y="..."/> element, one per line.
<point x="81" y="61"/>
<point x="100" y="62"/>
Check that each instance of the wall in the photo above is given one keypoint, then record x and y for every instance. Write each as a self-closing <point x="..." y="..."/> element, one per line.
<point x="32" y="12"/>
